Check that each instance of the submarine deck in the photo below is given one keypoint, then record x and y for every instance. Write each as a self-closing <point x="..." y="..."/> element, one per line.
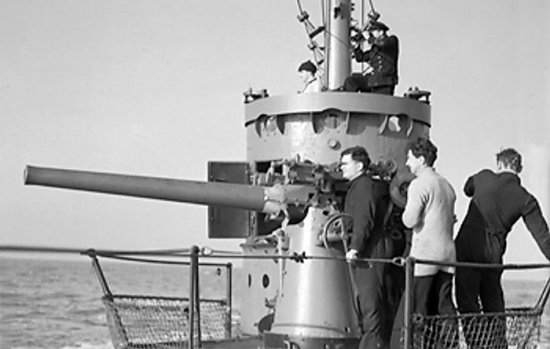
<point x="240" y="343"/>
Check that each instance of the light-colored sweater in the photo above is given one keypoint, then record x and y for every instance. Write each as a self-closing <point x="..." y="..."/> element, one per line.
<point x="430" y="214"/>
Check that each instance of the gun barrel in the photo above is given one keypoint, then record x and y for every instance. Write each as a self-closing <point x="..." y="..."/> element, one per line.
<point x="242" y="196"/>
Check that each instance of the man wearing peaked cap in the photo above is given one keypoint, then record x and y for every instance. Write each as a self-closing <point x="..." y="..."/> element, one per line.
<point x="380" y="57"/>
<point x="377" y="25"/>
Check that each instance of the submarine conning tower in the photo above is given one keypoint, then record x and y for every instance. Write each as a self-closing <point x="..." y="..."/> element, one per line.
<point x="310" y="304"/>
<point x="317" y="126"/>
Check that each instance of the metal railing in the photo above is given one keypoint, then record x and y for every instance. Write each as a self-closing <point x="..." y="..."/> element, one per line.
<point x="186" y="314"/>
<point x="170" y="320"/>
<point x="518" y="327"/>
<point x="414" y="325"/>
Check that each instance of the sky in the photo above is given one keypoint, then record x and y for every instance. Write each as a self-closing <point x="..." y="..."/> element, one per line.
<point x="155" y="88"/>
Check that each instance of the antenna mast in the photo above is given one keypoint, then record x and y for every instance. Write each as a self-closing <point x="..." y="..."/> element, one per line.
<point x="337" y="43"/>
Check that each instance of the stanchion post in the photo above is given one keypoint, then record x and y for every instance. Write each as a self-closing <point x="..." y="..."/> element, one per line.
<point x="409" y="302"/>
<point x="194" y="259"/>
<point x="198" y="298"/>
<point x="229" y="295"/>
<point x="101" y="277"/>
<point x="108" y="295"/>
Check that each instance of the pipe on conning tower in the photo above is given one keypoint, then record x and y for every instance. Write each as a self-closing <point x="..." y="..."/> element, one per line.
<point x="241" y="196"/>
<point x="337" y="41"/>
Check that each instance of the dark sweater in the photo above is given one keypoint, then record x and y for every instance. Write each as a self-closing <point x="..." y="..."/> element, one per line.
<point x="498" y="201"/>
<point x="366" y="201"/>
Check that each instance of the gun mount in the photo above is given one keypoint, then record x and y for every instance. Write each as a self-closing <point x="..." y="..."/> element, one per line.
<point x="270" y="200"/>
<point x="288" y="187"/>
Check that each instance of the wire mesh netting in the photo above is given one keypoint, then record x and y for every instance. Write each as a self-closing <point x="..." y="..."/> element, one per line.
<point x="148" y="322"/>
<point x="517" y="328"/>
<point x="156" y="322"/>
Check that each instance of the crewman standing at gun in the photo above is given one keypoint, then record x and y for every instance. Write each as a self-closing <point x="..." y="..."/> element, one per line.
<point x="498" y="201"/>
<point x="367" y="202"/>
<point x="381" y="56"/>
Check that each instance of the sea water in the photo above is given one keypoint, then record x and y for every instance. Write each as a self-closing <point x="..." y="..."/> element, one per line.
<point x="47" y="303"/>
<point x="56" y="304"/>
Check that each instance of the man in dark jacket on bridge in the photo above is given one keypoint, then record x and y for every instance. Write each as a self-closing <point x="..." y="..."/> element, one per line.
<point x="498" y="201"/>
<point x="380" y="57"/>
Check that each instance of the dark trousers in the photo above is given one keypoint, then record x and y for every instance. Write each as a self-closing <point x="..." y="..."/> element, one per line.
<point x="360" y="83"/>
<point x="432" y="295"/>
<point x="480" y="290"/>
<point x="379" y="286"/>
<point x="372" y="300"/>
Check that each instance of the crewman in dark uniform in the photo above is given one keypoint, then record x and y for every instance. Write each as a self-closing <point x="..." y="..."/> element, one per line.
<point x="367" y="202"/>
<point x="381" y="56"/>
<point x="498" y="201"/>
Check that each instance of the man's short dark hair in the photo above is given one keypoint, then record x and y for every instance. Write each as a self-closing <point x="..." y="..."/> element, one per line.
<point x="423" y="147"/>
<point x="511" y="158"/>
<point x="358" y="153"/>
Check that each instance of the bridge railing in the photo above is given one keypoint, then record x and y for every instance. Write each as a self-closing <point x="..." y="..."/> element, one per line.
<point x="516" y="327"/>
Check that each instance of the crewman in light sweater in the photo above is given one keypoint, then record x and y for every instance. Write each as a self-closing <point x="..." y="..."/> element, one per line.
<point x="430" y="214"/>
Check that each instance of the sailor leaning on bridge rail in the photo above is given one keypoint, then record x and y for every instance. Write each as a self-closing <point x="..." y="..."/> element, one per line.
<point x="498" y="200"/>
